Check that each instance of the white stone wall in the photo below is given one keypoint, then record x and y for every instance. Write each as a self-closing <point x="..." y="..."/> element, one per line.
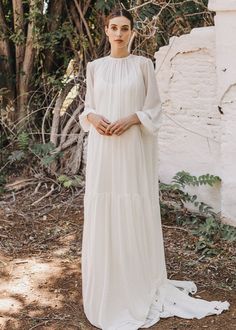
<point x="190" y="135"/>
<point x="196" y="74"/>
<point x="225" y="38"/>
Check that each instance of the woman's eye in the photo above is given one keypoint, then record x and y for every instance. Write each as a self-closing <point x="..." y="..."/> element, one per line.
<point x="123" y="29"/>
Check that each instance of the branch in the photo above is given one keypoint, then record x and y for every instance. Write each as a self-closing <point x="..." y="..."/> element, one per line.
<point x="86" y="27"/>
<point x="56" y="115"/>
<point x="74" y="19"/>
<point x="55" y="14"/>
<point x="70" y="122"/>
<point x="143" y="4"/>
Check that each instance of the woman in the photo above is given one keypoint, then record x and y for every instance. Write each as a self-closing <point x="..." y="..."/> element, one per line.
<point x="124" y="276"/>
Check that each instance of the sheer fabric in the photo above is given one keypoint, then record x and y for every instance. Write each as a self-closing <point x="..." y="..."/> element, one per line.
<point x="124" y="278"/>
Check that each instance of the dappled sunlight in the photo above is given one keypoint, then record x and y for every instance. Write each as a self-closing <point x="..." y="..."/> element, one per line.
<point x="31" y="282"/>
<point x="40" y="285"/>
<point x="9" y="304"/>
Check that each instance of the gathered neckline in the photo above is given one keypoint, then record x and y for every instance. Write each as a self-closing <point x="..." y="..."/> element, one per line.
<point x="120" y="58"/>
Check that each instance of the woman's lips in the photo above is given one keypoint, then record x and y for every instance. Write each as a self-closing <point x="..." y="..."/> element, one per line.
<point x="119" y="40"/>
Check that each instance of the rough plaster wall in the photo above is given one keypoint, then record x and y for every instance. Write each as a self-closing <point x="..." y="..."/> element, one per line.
<point x="228" y="154"/>
<point x="225" y="25"/>
<point x="190" y="135"/>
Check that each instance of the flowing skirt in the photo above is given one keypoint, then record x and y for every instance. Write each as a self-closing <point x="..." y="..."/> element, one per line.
<point x="124" y="278"/>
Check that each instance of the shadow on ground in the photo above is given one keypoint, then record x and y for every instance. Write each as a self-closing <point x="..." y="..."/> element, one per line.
<point x="40" y="268"/>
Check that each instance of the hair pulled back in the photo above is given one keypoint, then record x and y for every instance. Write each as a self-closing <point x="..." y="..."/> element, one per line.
<point x="117" y="12"/>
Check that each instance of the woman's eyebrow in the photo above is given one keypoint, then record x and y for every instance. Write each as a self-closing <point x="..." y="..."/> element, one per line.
<point x="122" y="25"/>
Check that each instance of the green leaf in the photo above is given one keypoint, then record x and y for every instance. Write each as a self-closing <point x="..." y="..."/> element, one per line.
<point x="16" y="155"/>
<point x="67" y="184"/>
<point x="62" y="178"/>
<point x="41" y="149"/>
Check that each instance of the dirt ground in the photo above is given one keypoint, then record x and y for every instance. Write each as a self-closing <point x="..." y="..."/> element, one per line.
<point x="40" y="254"/>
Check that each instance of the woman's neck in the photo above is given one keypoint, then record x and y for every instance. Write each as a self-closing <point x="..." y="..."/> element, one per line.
<point x="117" y="53"/>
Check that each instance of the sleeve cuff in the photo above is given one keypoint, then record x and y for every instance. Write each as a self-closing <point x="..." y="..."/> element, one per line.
<point x="83" y="119"/>
<point x="147" y="125"/>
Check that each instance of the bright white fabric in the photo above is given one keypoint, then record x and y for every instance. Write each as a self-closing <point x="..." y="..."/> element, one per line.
<point x="124" y="278"/>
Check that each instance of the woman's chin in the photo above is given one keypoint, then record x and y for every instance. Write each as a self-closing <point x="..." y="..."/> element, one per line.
<point x="119" y="45"/>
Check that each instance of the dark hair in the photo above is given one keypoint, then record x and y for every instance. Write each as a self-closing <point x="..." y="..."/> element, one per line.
<point x="117" y="12"/>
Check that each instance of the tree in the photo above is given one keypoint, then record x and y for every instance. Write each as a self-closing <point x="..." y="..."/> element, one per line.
<point x="38" y="40"/>
<point x="18" y="50"/>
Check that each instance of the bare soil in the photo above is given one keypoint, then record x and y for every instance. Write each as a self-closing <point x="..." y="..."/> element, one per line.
<point x="40" y="269"/>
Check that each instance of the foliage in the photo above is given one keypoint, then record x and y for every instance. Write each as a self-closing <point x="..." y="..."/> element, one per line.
<point x="65" y="30"/>
<point x="209" y="232"/>
<point x="69" y="182"/>
<point x="57" y="38"/>
<point x="45" y="152"/>
<point x="16" y="156"/>
<point x="23" y="140"/>
<point x="206" y="224"/>
<point x="183" y="179"/>
<point x="157" y="21"/>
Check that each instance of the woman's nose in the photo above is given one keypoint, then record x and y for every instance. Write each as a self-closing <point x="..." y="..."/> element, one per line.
<point x="118" y="33"/>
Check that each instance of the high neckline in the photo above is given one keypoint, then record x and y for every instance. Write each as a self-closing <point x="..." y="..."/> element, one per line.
<point x="120" y="58"/>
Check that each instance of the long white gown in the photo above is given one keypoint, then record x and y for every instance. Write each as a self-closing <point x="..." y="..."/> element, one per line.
<point x="124" y="278"/>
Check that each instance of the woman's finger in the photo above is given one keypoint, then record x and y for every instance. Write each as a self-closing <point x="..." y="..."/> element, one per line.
<point x="102" y="130"/>
<point x="121" y="129"/>
<point x="115" y="127"/>
<point x="106" y="120"/>
<point x="104" y="124"/>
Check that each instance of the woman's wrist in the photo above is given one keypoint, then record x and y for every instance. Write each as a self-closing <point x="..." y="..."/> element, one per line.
<point x="89" y="116"/>
<point x="135" y="119"/>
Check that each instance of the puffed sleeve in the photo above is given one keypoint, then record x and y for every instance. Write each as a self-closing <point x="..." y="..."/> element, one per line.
<point x="150" y="114"/>
<point x="89" y="105"/>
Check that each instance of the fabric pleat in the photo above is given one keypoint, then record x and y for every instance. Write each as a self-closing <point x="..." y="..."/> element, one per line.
<point x="124" y="278"/>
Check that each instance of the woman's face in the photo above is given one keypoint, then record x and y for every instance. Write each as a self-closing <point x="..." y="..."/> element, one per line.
<point x="119" y="32"/>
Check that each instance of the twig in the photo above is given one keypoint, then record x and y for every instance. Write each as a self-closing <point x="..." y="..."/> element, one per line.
<point x="21" y="262"/>
<point x="175" y="227"/>
<point x="4" y="166"/>
<point x="44" y="118"/>
<point x="3" y="262"/>
<point x="142" y="5"/>
<point x="37" y="325"/>
<point x="7" y="221"/>
<point x="47" y="194"/>
<point x="37" y="188"/>
<point x="3" y="236"/>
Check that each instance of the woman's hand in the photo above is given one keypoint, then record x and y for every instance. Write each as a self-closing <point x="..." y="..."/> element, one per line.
<point x="121" y="125"/>
<point x="99" y="122"/>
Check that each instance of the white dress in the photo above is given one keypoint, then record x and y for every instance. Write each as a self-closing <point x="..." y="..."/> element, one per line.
<point x="124" y="278"/>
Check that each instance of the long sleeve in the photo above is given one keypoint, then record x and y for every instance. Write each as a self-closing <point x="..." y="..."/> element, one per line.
<point x="89" y="105"/>
<point x="150" y="114"/>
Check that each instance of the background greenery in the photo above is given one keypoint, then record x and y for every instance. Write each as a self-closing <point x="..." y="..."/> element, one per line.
<point x="40" y="135"/>
<point x="38" y="40"/>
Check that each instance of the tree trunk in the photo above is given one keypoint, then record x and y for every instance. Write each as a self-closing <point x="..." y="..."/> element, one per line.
<point x="18" y="15"/>
<point x="28" y="65"/>
<point x="6" y="67"/>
